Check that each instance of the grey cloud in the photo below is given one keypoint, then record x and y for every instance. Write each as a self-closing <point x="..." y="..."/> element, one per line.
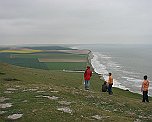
<point x="75" y="21"/>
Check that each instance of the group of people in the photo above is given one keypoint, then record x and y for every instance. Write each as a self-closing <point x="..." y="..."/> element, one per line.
<point x="107" y="86"/>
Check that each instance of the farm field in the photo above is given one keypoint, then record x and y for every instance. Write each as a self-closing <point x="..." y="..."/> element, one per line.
<point x="46" y="59"/>
<point x="76" y="66"/>
<point x="20" y="51"/>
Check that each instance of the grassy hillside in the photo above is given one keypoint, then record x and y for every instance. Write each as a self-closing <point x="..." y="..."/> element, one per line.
<point x="54" y="95"/>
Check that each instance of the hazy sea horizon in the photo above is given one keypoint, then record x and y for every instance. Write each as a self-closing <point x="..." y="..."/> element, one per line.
<point x="127" y="62"/>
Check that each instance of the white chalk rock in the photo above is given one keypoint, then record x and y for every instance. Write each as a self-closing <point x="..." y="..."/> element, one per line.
<point x="15" y="116"/>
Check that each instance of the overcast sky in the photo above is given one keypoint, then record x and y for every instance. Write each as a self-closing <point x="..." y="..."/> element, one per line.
<point x="75" y="21"/>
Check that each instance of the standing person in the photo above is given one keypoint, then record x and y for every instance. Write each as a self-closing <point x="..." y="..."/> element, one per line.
<point x="144" y="89"/>
<point x="110" y="83"/>
<point x="87" y="76"/>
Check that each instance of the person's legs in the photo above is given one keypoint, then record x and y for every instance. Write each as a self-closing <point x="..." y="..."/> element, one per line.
<point x="146" y="96"/>
<point x="86" y="84"/>
<point x="109" y="88"/>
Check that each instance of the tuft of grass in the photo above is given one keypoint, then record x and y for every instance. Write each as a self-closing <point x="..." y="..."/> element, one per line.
<point x="1" y="73"/>
<point x="11" y="79"/>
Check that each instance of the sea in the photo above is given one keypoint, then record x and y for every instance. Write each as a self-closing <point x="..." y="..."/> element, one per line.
<point x="128" y="63"/>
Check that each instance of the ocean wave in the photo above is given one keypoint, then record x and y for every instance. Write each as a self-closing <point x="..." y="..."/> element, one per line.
<point x="101" y="69"/>
<point x="132" y="79"/>
<point x="98" y="67"/>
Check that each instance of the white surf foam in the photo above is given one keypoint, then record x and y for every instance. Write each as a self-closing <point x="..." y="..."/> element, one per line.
<point x="101" y="69"/>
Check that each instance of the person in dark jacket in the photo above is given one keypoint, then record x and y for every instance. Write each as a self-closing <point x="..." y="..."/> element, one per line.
<point x="104" y="87"/>
<point x="87" y="76"/>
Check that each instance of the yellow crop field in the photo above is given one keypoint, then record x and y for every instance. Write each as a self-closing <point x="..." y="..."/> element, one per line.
<point x="21" y="51"/>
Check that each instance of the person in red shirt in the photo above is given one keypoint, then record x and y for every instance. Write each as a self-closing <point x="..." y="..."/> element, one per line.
<point x="87" y="76"/>
<point x="144" y="89"/>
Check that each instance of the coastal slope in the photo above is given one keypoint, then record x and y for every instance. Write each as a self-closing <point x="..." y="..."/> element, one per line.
<point x="55" y="95"/>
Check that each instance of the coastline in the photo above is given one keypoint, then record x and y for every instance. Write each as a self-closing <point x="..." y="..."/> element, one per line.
<point x="103" y="77"/>
<point x="89" y="58"/>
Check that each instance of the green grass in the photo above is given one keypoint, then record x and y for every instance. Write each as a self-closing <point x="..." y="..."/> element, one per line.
<point x="25" y="62"/>
<point x="66" y="65"/>
<point x="121" y="106"/>
<point x="51" y="55"/>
